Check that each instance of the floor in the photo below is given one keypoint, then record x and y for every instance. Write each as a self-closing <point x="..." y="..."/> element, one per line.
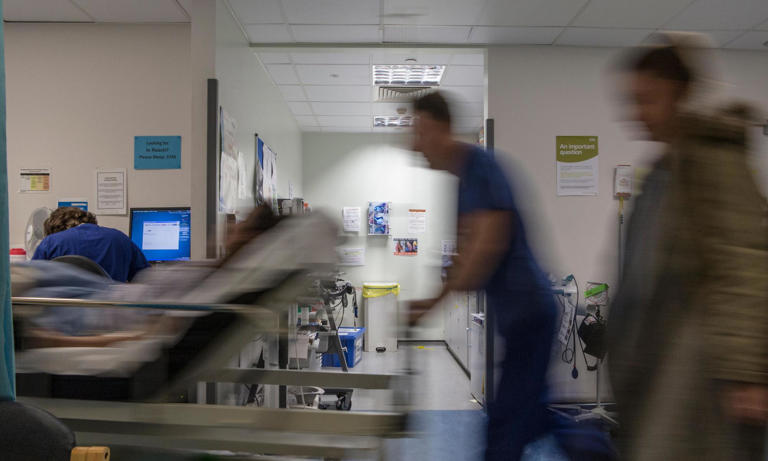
<point x="446" y="422"/>
<point x="439" y="383"/>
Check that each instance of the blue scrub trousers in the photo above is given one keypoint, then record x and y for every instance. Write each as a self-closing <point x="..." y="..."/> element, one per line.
<point x="518" y="415"/>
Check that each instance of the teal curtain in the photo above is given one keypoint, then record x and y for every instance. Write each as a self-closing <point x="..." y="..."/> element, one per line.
<point x="7" y="379"/>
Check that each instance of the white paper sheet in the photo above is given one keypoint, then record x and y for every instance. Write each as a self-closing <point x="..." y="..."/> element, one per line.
<point x="448" y="247"/>
<point x="351" y="256"/>
<point x="242" y="177"/>
<point x="417" y="221"/>
<point x="35" y="180"/>
<point x="110" y="192"/>
<point x="577" y="162"/>
<point x="228" y="184"/>
<point x="351" y="216"/>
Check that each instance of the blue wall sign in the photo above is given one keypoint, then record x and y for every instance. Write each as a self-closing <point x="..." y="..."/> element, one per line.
<point x="82" y="204"/>
<point x="157" y="152"/>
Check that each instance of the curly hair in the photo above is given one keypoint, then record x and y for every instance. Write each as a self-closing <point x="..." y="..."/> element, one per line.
<point x="67" y="217"/>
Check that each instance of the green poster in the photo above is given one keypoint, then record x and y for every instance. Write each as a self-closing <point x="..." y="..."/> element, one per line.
<point x="577" y="165"/>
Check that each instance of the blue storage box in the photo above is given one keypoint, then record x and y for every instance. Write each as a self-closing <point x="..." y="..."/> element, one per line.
<point x="352" y="340"/>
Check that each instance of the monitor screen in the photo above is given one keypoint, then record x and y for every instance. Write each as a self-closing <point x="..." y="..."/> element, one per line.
<point x="161" y="233"/>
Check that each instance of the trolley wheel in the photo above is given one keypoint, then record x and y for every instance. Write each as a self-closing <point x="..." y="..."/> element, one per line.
<point x="344" y="402"/>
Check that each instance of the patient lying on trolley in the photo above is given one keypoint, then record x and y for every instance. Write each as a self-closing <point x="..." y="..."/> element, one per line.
<point x="129" y="353"/>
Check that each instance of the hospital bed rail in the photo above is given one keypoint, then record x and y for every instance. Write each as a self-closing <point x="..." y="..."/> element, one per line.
<point x="329" y="434"/>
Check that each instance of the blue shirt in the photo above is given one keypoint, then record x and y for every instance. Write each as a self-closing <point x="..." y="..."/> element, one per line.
<point x="110" y="248"/>
<point x="483" y="186"/>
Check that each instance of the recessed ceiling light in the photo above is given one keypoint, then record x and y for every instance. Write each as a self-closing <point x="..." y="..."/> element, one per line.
<point x="408" y="74"/>
<point x="381" y="121"/>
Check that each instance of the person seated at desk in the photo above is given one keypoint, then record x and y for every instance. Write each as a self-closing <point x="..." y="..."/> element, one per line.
<point x="72" y="231"/>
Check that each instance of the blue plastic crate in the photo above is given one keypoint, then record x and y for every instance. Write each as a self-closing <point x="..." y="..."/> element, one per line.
<point x="352" y="339"/>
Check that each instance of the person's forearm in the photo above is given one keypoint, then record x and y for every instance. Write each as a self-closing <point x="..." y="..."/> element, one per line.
<point x="474" y="270"/>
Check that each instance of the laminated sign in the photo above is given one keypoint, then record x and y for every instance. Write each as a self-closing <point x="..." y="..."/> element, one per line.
<point x="577" y="165"/>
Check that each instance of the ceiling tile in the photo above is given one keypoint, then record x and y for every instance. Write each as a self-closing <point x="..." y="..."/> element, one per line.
<point x="332" y="11"/>
<point x="649" y="14"/>
<point x="43" y="10"/>
<point x="268" y="33"/>
<point x="398" y="56"/>
<point x="464" y="94"/>
<point x="336" y="57"/>
<point x="274" y="58"/>
<point x="530" y="12"/>
<point x="314" y="33"/>
<point x="351" y="121"/>
<point x="282" y="74"/>
<point x="718" y="38"/>
<point x="346" y="129"/>
<point x="514" y="35"/>
<point x="721" y="15"/>
<point x="431" y="12"/>
<point x="292" y="93"/>
<point x="341" y="108"/>
<point x="426" y="34"/>
<point x="300" y="108"/>
<point x="257" y="11"/>
<point x="583" y="36"/>
<point x="134" y="10"/>
<point x="339" y="93"/>
<point x="467" y="59"/>
<point x="306" y="120"/>
<point x="391" y="108"/>
<point x="344" y="74"/>
<point x="464" y="75"/>
<point x="752" y="40"/>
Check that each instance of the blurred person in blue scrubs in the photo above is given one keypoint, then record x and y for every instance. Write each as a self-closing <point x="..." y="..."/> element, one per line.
<point x="72" y="231"/>
<point x="494" y="255"/>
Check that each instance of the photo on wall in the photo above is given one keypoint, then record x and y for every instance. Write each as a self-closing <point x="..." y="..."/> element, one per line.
<point x="378" y="218"/>
<point x="406" y="247"/>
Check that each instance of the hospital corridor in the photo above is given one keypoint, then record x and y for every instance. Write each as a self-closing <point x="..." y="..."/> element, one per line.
<point x="384" y="230"/>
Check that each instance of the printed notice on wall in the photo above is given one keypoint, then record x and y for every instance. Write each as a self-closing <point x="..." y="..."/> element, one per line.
<point x="157" y="152"/>
<point x="110" y="192"/>
<point x="228" y="184"/>
<point x="35" y="180"/>
<point x="448" y="247"/>
<point x="417" y="221"/>
<point x="351" y="217"/>
<point x="577" y="165"/>
<point x="351" y="256"/>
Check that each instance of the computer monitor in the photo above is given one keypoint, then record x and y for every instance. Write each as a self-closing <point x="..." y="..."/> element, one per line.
<point x="162" y="234"/>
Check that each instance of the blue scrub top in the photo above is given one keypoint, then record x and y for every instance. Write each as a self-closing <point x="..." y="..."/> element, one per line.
<point x="484" y="186"/>
<point x="110" y="248"/>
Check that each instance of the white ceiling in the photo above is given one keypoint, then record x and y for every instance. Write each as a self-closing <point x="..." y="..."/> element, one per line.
<point x="324" y="102"/>
<point x="737" y="24"/>
<point x="94" y="11"/>
<point x="331" y="89"/>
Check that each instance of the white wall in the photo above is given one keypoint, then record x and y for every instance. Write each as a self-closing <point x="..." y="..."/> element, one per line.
<point x="351" y="170"/>
<point x="77" y="94"/>
<point x="537" y="93"/>
<point x="249" y="96"/>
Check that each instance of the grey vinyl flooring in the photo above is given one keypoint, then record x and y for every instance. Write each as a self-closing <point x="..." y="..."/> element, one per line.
<point x="438" y="384"/>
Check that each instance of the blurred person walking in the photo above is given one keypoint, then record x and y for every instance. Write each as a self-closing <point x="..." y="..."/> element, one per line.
<point x="688" y="331"/>
<point x="494" y="256"/>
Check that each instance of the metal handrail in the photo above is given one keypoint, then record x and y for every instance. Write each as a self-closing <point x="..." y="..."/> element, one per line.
<point x="91" y="303"/>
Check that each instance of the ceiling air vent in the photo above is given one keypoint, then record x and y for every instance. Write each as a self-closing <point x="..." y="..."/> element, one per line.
<point x="402" y="93"/>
